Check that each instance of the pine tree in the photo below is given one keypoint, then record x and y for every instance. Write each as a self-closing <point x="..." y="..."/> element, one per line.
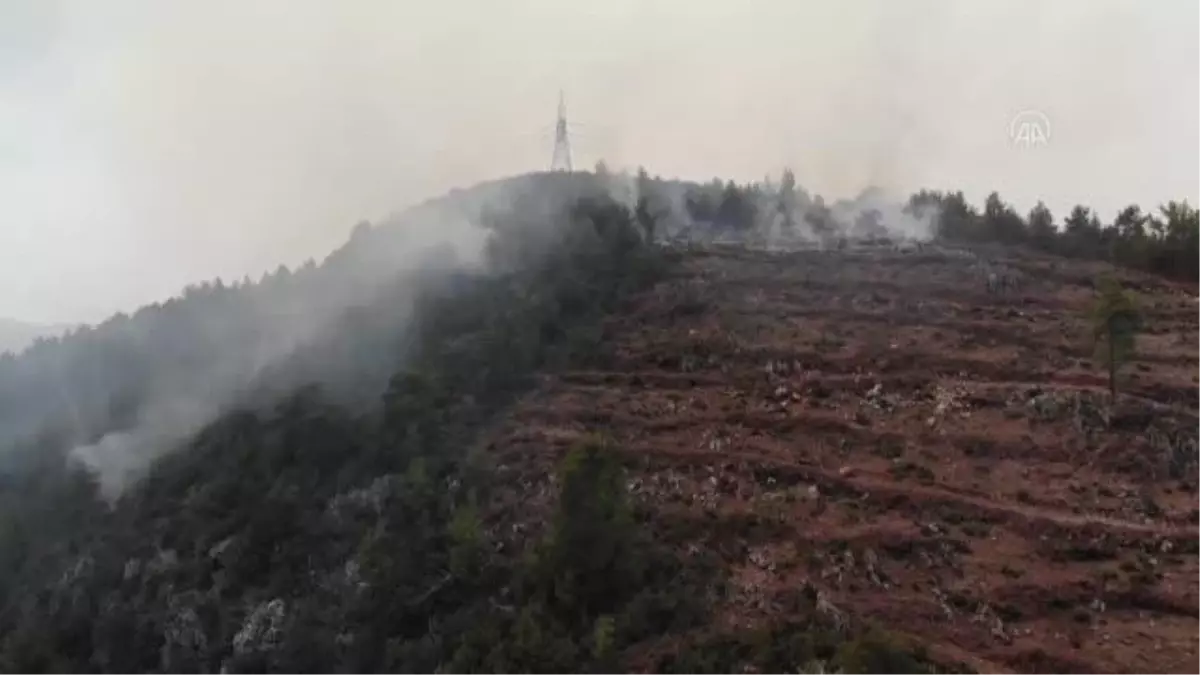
<point x="1115" y="324"/>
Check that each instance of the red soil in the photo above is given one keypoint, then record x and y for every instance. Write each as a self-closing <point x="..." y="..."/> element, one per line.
<point x="935" y="459"/>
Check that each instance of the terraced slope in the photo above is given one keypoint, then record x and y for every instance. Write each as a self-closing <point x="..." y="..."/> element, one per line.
<point x="874" y="426"/>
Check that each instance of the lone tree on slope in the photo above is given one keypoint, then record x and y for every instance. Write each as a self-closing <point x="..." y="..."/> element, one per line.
<point x="1115" y="324"/>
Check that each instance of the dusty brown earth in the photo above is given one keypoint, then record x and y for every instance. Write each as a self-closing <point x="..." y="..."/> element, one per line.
<point x="933" y="458"/>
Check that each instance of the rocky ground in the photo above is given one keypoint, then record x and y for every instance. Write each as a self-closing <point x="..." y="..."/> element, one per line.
<point x="930" y="457"/>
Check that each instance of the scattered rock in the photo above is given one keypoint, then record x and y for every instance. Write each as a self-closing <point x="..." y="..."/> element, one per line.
<point x="263" y="628"/>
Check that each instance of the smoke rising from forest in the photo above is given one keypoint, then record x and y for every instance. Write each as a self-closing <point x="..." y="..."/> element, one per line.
<point x="337" y="322"/>
<point x="174" y="142"/>
<point x="166" y="161"/>
<point x="343" y="324"/>
<point x="333" y="324"/>
<point x="301" y="420"/>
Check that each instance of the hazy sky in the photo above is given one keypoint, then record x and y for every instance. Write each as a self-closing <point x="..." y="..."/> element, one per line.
<point x="145" y="145"/>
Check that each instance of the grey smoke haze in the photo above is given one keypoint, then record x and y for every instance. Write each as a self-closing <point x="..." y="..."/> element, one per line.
<point x="341" y="324"/>
<point x="145" y="145"/>
<point x="294" y="332"/>
<point x="120" y="457"/>
<point x="16" y="336"/>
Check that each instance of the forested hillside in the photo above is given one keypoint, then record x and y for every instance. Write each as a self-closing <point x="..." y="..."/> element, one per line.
<point x="123" y="389"/>
<point x="303" y="535"/>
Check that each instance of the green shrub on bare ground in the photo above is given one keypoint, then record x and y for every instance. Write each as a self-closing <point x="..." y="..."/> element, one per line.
<point x="812" y="646"/>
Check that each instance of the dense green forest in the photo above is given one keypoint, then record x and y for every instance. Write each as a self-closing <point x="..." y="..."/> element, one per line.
<point x="327" y="503"/>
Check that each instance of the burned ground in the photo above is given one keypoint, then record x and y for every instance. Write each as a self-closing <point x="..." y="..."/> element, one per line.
<point x="932" y="458"/>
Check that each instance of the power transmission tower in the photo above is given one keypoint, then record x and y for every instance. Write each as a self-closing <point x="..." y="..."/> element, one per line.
<point x="561" y="161"/>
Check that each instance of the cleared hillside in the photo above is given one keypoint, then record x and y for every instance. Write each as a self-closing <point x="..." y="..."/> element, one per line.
<point x="874" y="426"/>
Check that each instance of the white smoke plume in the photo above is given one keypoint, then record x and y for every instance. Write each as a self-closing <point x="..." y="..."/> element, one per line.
<point x="436" y="237"/>
<point x="342" y="323"/>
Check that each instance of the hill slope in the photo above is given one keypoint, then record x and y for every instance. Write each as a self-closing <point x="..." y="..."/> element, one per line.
<point x="123" y="390"/>
<point x="549" y="445"/>
<point x="938" y="460"/>
<point x="306" y="531"/>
